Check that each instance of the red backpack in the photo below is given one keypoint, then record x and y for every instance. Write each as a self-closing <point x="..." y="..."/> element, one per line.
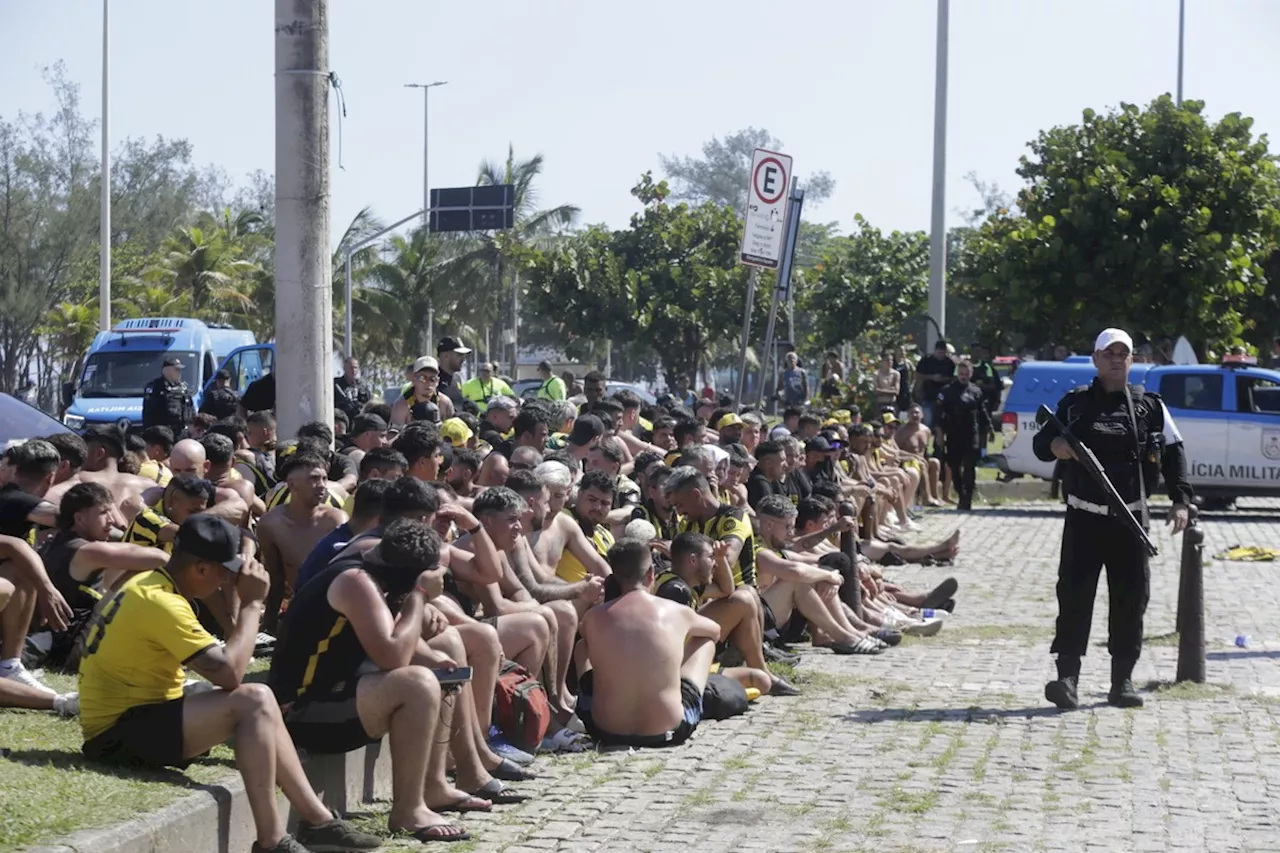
<point x="520" y="707"/>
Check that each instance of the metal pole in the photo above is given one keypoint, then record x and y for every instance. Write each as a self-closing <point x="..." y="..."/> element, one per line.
<point x="515" y="326"/>
<point x="347" y="330"/>
<point x="746" y="332"/>
<point x="1182" y="31"/>
<point x="104" y="227"/>
<point x="938" y="226"/>
<point x="431" y="329"/>
<point x="303" y="269"/>
<point x="426" y="135"/>
<point x="794" y="205"/>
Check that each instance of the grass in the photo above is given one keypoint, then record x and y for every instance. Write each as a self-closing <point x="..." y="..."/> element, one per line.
<point x="1024" y="634"/>
<point x="907" y="802"/>
<point x="48" y="789"/>
<point x="1188" y="690"/>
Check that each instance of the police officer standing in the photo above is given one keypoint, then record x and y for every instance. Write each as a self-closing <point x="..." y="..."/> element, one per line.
<point x="166" y="401"/>
<point x="1135" y="439"/>
<point x="964" y="422"/>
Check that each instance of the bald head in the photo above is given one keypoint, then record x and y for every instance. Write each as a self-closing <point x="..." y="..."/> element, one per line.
<point x="188" y="458"/>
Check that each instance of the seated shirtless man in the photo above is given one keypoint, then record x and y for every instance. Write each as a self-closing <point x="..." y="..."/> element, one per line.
<point x="104" y="450"/>
<point x="289" y="532"/>
<point x="912" y="440"/>
<point x="649" y="660"/>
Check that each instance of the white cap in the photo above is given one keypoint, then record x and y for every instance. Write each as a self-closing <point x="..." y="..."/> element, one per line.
<point x="428" y="362"/>
<point x="1113" y="336"/>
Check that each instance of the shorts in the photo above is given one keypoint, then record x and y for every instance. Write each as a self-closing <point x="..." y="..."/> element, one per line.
<point x="690" y="699"/>
<point x="329" y="724"/>
<point x="144" y="736"/>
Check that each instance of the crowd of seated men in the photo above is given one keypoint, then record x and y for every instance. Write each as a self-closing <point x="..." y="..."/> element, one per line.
<point x="623" y="554"/>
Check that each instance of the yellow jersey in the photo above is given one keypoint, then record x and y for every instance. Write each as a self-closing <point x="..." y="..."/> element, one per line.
<point x="146" y="526"/>
<point x="135" y="647"/>
<point x="279" y="496"/>
<point x="156" y="471"/>
<point x="570" y="569"/>
<point x="729" y="523"/>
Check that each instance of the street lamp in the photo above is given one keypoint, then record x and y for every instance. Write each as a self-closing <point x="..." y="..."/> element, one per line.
<point x="1182" y="32"/>
<point x="104" y="190"/>
<point x="426" y="104"/>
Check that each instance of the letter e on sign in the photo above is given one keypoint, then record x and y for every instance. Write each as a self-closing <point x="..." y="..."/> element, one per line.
<point x="764" y="231"/>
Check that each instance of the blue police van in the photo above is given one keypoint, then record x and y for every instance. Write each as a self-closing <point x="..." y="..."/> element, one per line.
<point x="1228" y="415"/>
<point x="120" y="363"/>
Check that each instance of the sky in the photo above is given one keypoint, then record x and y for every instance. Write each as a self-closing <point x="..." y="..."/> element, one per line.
<point x="601" y="88"/>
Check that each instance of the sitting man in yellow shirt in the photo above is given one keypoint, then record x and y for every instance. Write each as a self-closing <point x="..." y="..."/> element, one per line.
<point x="134" y="713"/>
<point x="158" y="524"/>
<point x="590" y="512"/>
<point x="159" y="441"/>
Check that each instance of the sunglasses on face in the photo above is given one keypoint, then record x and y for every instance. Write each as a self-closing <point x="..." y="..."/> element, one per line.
<point x="426" y="377"/>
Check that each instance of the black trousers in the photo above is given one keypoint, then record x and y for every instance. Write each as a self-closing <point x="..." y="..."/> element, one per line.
<point x="1090" y="542"/>
<point x="963" y="463"/>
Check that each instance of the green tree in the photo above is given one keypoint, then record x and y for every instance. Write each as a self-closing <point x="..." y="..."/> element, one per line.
<point x="1153" y="219"/>
<point x="723" y="173"/>
<point x="866" y="286"/>
<point x="671" y="282"/>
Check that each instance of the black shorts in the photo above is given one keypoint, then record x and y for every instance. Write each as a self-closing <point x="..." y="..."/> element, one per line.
<point x="690" y="699"/>
<point x="327" y="724"/>
<point x="143" y="736"/>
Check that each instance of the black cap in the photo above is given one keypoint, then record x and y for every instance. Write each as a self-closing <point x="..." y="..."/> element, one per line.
<point x="173" y="361"/>
<point x="209" y="538"/>
<point x="940" y="344"/>
<point x="448" y="344"/>
<point x="585" y="429"/>
<point x="817" y="444"/>
<point x="368" y="422"/>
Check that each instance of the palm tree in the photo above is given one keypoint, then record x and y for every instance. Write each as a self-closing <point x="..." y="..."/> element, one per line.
<point x="208" y="268"/>
<point x="405" y="284"/>
<point x="531" y="225"/>
<point x="69" y="327"/>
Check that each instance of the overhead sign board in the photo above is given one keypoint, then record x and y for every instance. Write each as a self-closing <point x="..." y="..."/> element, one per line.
<point x="487" y="208"/>
<point x="766" y="226"/>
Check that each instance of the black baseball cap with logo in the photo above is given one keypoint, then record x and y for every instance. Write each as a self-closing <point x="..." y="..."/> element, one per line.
<point x="450" y="344"/>
<point x="173" y="361"/>
<point x="210" y="539"/>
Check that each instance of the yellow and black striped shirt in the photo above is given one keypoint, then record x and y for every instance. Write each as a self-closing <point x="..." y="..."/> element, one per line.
<point x="279" y="496"/>
<point x="146" y="526"/>
<point x="729" y="523"/>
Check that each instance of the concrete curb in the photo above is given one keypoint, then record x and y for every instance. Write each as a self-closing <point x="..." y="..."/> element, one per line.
<point x="1023" y="489"/>
<point x="216" y="818"/>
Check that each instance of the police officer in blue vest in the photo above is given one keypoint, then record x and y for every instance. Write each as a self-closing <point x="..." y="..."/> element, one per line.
<point x="1135" y="439"/>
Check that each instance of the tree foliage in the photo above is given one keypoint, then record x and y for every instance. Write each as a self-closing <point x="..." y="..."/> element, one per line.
<point x="867" y="283"/>
<point x="1153" y="219"/>
<point x="671" y="282"/>
<point x="723" y="173"/>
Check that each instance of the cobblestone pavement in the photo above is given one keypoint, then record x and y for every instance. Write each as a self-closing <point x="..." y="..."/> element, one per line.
<point x="945" y="744"/>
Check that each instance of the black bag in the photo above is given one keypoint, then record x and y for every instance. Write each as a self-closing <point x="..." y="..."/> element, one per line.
<point x="723" y="698"/>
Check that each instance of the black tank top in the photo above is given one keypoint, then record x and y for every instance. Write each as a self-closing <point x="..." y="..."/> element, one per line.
<point x="57" y="555"/>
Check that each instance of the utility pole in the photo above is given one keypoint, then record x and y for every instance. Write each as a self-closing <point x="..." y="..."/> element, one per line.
<point x="938" y="226"/>
<point x="304" y="315"/>
<point x="104" y="200"/>
<point x="1182" y="34"/>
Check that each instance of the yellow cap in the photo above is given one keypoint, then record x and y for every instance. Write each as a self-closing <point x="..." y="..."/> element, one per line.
<point x="456" y="432"/>
<point x="842" y="416"/>
<point x="729" y="420"/>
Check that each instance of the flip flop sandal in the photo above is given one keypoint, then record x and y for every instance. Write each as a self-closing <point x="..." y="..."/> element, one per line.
<point x="446" y="832"/>
<point x="508" y="771"/>
<point x="864" y="646"/>
<point x="940" y="593"/>
<point x="469" y="803"/>
<point x="499" y="793"/>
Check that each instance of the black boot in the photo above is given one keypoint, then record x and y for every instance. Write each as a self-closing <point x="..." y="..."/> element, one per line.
<point x="1063" y="691"/>
<point x="1123" y="694"/>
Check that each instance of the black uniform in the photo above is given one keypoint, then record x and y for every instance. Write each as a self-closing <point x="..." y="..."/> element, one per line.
<point x="350" y="397"/>
<point x="961" y="412"/>
<point x="166" y="403"/>
<point x="1092" y="537"/>
<point x="220" y="403"/>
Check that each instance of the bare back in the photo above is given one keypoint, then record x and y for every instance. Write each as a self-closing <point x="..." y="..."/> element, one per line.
<point x="636" y="646"/>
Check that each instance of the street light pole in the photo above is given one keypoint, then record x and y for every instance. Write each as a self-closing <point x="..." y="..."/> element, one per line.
<point x="104" y="227"/>
<point x="938" y="227"/>
<point x="426" y="130"/>
<point x="1182" y="34"/>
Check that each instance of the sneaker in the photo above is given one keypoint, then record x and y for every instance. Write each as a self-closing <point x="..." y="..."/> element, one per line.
<point x="924" y="628"/>
<point x="1124" y="695"/>
<point x="67" y="705"/>
<point x="288" y="844"/>
<point x="24" y="676"/>
<point x="504" y="748"/>
<point x="335" y="836"/>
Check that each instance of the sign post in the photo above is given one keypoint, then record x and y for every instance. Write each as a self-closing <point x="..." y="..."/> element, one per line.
<point x="763" y="235"/>
<point x="783" y="290"/>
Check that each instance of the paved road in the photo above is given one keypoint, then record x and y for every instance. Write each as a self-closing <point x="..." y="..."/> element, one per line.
<point x="944" y="744"/>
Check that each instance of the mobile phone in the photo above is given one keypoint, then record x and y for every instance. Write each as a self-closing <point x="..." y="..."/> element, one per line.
<point x="448" y="677"/>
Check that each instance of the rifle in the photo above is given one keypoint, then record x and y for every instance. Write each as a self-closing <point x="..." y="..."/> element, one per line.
<point x="1088" y="461"/>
